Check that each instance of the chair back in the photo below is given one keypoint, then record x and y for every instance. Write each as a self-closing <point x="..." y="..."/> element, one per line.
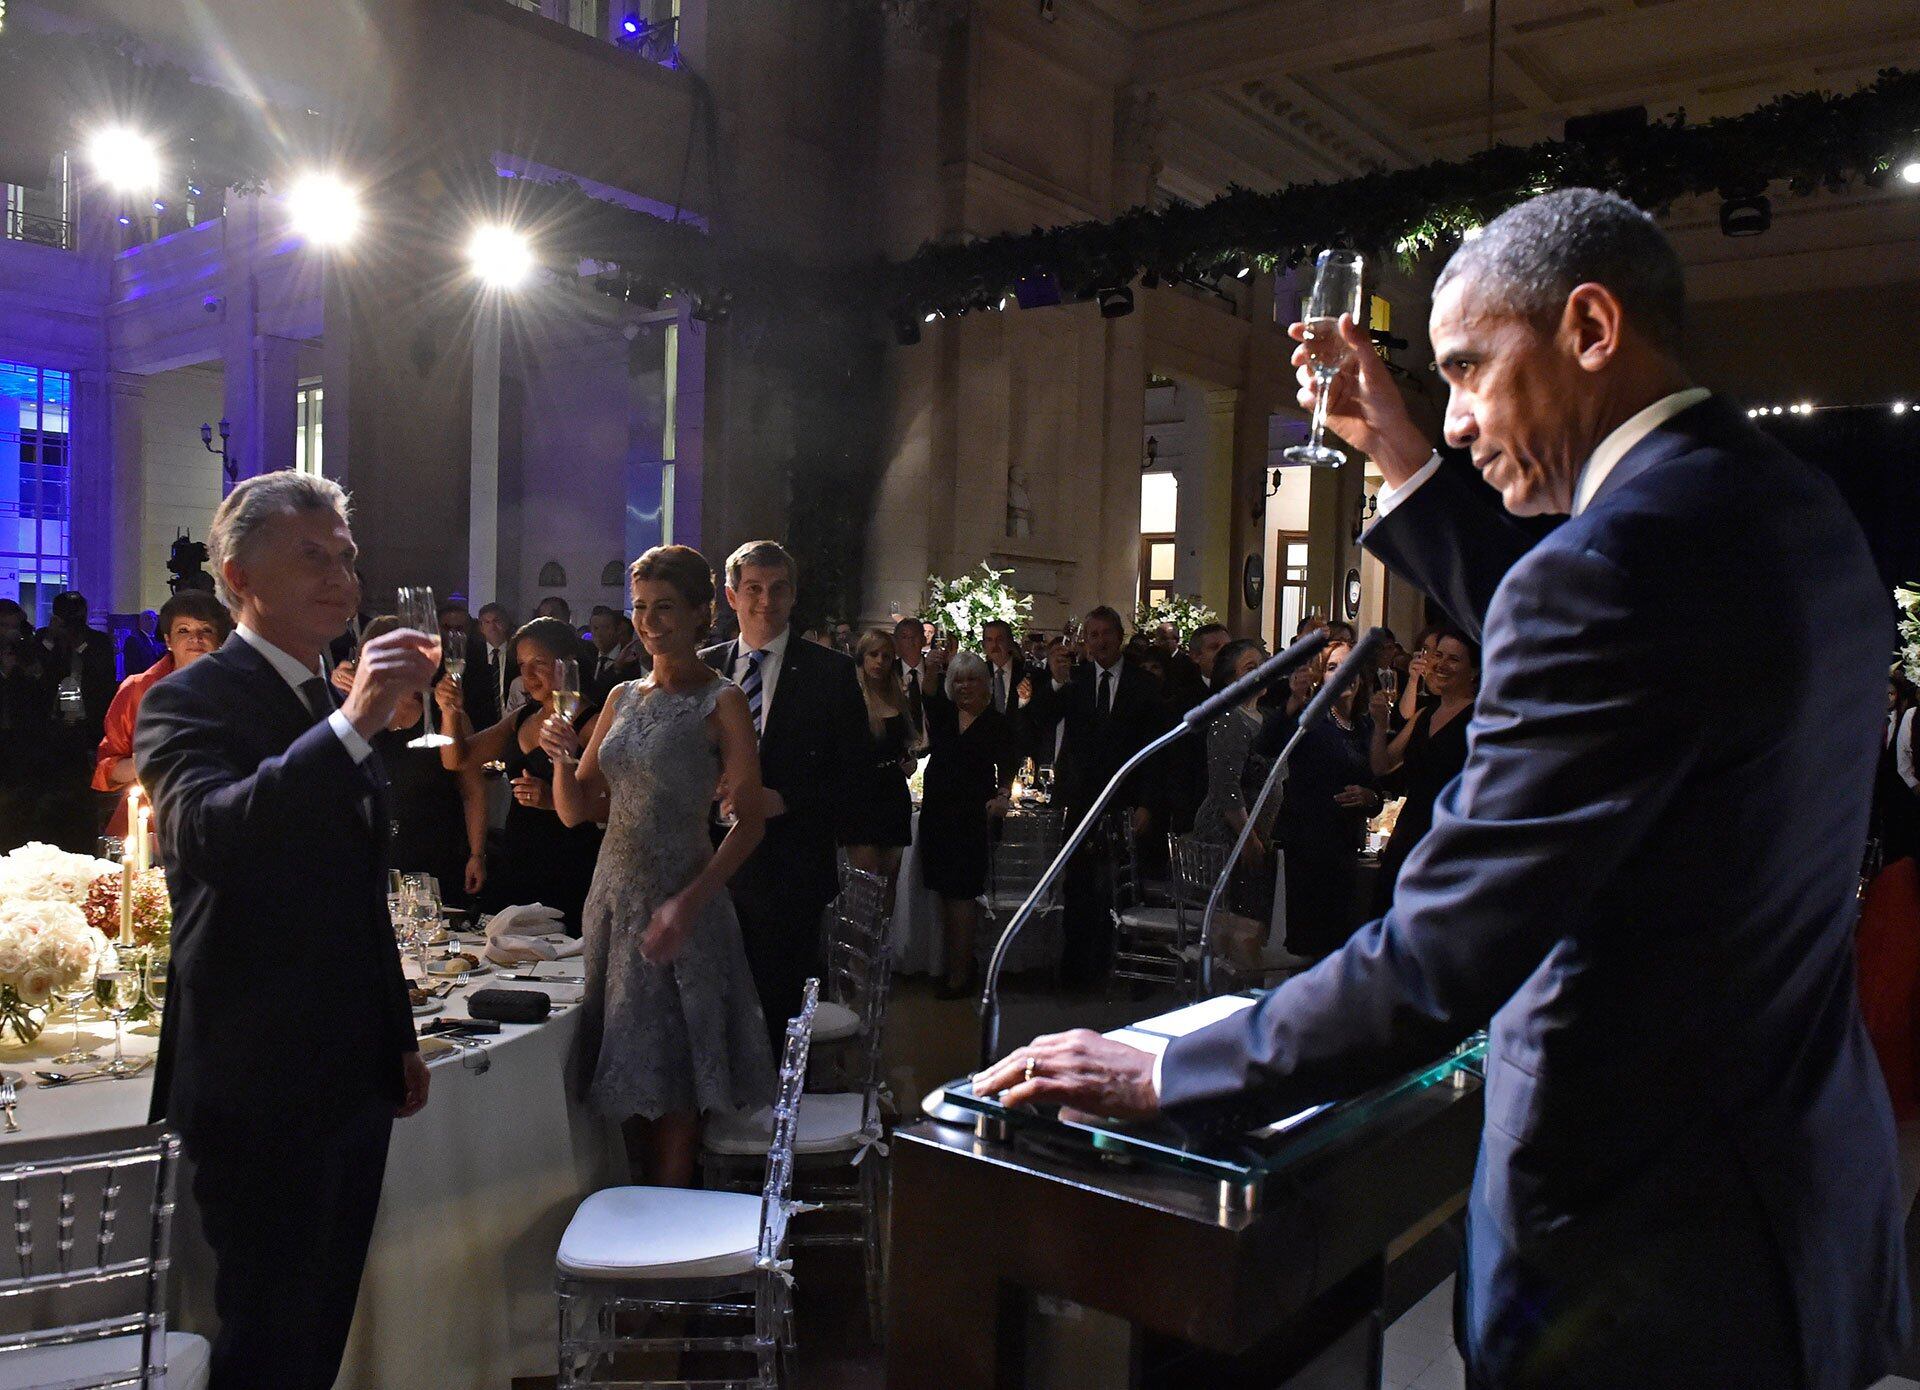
<point x="1197" y="865"/>
<point x="775" y="1208"/>
<point x="860" y="962"/>
<point x="92" y="1225"/>
<point x="1027" y="843"/>
<point x="1123" y="866"/>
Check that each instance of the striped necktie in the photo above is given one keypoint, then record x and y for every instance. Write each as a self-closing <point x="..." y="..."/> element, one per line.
<point x="751" y="686"/>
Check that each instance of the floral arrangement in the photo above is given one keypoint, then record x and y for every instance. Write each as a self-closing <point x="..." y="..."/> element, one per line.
<point x="152" y="907"/>
<point x="41" y="873"/>
<point x="1186" y="614"/>
<point x="47" y="950"/>
<point x="48" y="946"/>
<point x="967" y="604"/>
<point x="1906" y="598"/>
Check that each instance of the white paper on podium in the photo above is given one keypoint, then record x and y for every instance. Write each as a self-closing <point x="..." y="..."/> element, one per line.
<point x="1181" y="1022"/>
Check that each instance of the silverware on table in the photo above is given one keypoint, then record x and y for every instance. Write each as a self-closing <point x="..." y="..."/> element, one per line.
<point x="74" y="1078"/>
<point x="9" y="1097"/>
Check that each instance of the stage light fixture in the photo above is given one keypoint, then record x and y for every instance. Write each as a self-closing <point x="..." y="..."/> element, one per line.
<point x="1910" y="171"/>
<point x="124" y="159"/>
<point x="932" y="316"/>
<point x="499" y="256"/>
<point x="323" y="209"/>
<point x="1899" y="407"/>
<point x="1243" y="272"/>
<point x="630" y="25"/>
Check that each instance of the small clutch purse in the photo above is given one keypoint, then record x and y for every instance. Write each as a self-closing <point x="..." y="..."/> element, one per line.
<point x="510" y="1005"/>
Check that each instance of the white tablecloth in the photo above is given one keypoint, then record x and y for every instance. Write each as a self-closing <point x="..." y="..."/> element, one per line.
<point x="458" y="1290"/>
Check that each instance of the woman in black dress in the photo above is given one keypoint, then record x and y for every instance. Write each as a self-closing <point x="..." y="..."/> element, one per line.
<point x="969" y="784"/>
<point x="542" y="859"/>
<point x="439" y="815"/>
<point x="879" y="812"/>
<point x="1426" y="755"/>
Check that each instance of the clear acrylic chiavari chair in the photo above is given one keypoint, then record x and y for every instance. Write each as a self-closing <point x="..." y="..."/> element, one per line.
<point x="649" y="1254"/>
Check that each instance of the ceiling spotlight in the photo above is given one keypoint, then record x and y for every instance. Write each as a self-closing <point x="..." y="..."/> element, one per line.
<point x="1899" y="407"/>
<point x="1004" y="301"/>
<point x="1751" y="412"/>
<point x="1243" y="272"/>
<point x="1779" y="410"/>
<point x="630" y="25"/>
<point x="159" y="207"/>
<point x="1805" y="407"/>
<point x="932" y="316"/>
<point x="499" y="256"/>
<point x="1910" y="171"/>
<point x="124" y="159"/>
<point x="323" y="209"/>
<point x="125" y="219"/>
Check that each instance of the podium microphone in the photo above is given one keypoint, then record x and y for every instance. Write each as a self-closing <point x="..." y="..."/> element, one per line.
<point x="1347" y="673"/>
<point x="1272" y="669"/>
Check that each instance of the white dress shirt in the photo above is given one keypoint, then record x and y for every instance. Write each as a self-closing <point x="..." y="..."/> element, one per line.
<point x="772" y="656"/>
<point x="1606" y="454"/>
<point x="296" y="675"/>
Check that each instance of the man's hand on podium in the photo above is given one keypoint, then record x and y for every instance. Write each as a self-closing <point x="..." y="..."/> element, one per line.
<point x="1081" y="1070"/>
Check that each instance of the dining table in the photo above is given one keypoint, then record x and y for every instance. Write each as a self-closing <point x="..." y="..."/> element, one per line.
<point x="458" y="1287"/>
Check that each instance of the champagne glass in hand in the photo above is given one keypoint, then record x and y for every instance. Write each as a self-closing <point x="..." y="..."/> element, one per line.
<point x="1336" y="291"/>
<point x="567" y="700"/>
<point x="419" y="612"/>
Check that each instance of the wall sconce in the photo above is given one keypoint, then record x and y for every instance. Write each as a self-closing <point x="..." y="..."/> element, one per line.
<point x="1368" y="509"/>
<point x="229" y="462"/>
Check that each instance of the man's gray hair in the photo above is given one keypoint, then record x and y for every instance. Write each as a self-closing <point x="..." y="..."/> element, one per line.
<point x="1530" y="258"/>
<point x="966" y="664"/>
<point x="248" y="507"/>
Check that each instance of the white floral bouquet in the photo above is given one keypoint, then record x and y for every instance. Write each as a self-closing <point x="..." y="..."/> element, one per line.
<point x="41" y="873"/>
<point x="1906" y="598"/>
<point x="1188" y="615"/>
<point x="47" y="951"/>
<point x="967" y="604"/>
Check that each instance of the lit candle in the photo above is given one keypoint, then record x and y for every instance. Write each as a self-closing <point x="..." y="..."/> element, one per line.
<point x="126" y="895"/>
<point x="139" y="825"/>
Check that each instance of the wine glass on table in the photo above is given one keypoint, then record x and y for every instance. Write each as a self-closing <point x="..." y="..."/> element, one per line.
<point x="117" y="991"/>
<point x="419" y="612"/>
<point x="1336" y="291"/>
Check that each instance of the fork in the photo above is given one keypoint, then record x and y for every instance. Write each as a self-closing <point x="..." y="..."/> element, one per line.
<point x="9" y="1098"/>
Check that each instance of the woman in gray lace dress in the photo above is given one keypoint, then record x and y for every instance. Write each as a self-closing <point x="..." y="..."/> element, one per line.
<point x="671" y="1025"/>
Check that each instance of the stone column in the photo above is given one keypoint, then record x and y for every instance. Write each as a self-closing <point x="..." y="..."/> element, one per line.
<point x="106" y="500"/>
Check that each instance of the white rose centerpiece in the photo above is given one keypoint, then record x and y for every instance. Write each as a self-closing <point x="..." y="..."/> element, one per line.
<point x="47" y="948"/>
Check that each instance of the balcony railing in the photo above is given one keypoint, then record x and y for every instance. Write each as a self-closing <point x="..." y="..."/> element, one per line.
<point x="38" y="229"/>
<point x="624" y="23"/>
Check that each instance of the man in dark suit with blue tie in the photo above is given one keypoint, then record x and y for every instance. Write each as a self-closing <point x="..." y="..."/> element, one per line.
<point x="1642" y="884"/>
<point x="287" y="1047"/>
<point x="805" y="700"/>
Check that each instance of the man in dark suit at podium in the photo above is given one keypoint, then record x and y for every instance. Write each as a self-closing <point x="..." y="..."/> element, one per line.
<point x="287" y="1047"/>
<point x="813" y="722"/>
<point x="1643" y="882"/>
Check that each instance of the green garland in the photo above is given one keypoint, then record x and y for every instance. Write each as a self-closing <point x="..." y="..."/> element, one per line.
<point x="1808" y="140"/>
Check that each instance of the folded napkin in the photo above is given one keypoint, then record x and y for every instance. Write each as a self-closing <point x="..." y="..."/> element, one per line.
<point x="517" y="934"/>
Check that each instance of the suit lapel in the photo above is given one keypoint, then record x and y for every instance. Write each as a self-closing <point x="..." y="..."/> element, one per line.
<point x="1670" y="440"/>
<point x="277" y="698"/>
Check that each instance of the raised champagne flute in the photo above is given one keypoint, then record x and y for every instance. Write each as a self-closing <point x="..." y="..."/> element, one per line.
<point x="117" y="991"/>
<point x="419" y="612"/>
<point x="567" y="702"/>
<point x="1337" y="290"/>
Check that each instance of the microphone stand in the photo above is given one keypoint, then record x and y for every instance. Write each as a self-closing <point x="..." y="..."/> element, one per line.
<point x="1268" y="671"/>
<point x="1315" y="711"/>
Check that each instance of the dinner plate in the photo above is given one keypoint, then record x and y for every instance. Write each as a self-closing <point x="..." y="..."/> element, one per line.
<point x="434" y="969"/>
<point x="432" y="1006"/>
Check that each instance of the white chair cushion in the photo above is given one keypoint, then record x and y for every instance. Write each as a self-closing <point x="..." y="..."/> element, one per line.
<point x="832" y="1022"/>
<point x="89" y="1363"/>
<point x="661" y="1233"/>
<point x="828" y="1124"/>
<point x="1164" y="919"/>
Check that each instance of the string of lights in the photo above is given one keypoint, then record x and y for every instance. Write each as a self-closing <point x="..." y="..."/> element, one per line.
<point x="1803" y="408"/>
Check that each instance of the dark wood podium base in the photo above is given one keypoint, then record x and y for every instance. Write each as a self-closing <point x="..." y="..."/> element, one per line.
<point x="985" y="1233"/>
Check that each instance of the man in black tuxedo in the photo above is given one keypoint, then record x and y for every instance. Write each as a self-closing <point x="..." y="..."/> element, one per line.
<point x="806" y="702"/>
<point x="1106" y="712"/>
<point x="909" y="649"/>
<point x="287" y="1047"/>
<point x="618" y="655"/>
<point x="1643" y="884"/>
<point x="70" y="648"/>
<point x="1006" y="670"/>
